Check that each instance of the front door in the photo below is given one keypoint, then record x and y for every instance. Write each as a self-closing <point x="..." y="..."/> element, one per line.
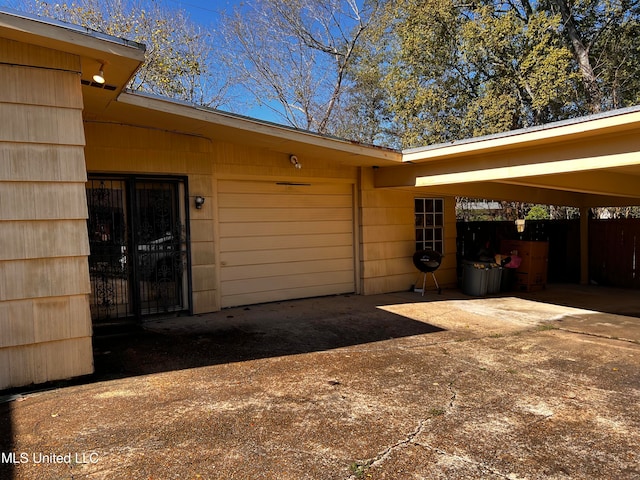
<point x="138" y="244"/>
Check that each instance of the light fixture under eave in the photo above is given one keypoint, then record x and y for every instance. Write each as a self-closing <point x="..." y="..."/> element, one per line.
<point x="99" y="77"/>
<point x="294" y="161"/>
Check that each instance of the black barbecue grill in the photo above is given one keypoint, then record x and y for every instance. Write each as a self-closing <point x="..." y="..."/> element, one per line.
<point x="427" y="261"/>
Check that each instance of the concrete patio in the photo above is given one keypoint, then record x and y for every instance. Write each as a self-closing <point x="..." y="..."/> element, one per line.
<point x="399" y="386"/>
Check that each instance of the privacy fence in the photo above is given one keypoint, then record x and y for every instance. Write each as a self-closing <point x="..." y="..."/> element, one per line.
<point x="614" y="247"/>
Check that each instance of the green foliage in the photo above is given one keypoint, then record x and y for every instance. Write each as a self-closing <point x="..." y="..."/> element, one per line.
<point x="538" y="212"/>
<point x="451" y="70"/>
<point x="477" y="209"/>
<point x="617" y="51"/>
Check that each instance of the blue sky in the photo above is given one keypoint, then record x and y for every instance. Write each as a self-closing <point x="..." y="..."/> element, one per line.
<point x="204" y="12"/>
<point x="207" y="13"/>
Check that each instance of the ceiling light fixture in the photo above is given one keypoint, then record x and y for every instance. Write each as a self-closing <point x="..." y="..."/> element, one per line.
<point x="99" y="77"/>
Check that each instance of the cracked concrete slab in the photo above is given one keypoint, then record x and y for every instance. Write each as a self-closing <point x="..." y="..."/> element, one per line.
<point x="383" y="387"/>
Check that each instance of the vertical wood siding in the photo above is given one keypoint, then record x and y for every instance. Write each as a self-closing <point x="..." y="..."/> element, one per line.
<point x="614" y="252"/>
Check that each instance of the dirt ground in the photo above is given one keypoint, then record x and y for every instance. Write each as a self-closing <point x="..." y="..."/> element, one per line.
<point x="539" y="386"/>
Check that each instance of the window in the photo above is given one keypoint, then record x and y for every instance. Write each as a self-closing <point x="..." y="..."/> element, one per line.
<point x="429" y="214"/>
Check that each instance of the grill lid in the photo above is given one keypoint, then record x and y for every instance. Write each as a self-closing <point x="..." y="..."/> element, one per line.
<point x="427" y="260"/>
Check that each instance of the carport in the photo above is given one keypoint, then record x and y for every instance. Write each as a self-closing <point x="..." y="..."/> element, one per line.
<point x="587" y="162"/>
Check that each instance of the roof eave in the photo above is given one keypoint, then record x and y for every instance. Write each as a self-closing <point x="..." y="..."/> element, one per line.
<point x="604" y="123"/>
<point x="206" y="120"/>
<point x="67" y="37"/>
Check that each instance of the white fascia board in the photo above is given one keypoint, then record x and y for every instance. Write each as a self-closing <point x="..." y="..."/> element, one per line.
<point x="552" y="132"/>
<point x="530" y="170"/>
<point x="77" y="39"/>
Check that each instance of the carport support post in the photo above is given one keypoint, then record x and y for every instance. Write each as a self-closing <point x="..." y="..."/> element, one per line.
<point x="584" y="245"/>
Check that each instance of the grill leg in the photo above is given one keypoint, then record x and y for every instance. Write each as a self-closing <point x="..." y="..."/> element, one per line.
<point x="435" y="281"/>
<point x="424" y="283"/>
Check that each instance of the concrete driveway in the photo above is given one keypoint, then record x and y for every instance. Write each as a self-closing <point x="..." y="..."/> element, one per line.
<point x="540" y="386"/>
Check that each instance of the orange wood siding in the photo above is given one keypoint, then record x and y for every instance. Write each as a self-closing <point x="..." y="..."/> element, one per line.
<point x="388" y="238"/>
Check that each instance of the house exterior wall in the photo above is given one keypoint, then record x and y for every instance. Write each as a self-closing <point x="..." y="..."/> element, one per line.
<point x="303" y="259"/>
<point x="148" y="151"/>
<point x="207" y="165"/>
<point x="46" y="150"/>
<point x="383" y="224"/>
<point x="45" y="326"/>
<point x="387" y="227"/>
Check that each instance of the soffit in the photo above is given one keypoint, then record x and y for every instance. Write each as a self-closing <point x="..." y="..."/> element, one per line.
<point x="586" y="162"/>
<point x="121" y="58"/>
<point x="151" y="112"/>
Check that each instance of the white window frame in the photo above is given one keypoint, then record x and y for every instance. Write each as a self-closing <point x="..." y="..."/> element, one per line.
<point x="429" y="223"/>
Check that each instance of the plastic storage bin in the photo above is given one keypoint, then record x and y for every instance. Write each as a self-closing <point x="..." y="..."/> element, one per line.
<point x="475" y="279"/>
<point x="493" y="282"/>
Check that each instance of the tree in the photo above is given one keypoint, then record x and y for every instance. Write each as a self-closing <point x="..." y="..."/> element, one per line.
<point x="457" y="71"/>
<point x="292" y="56"/>
<point x="604" y="36"/>
<point x="538" y="212"/>
<point x="616" y="212"/>
<point x="179" y="59"/>
<point x="451" y="70"/>
<point x="581" y="52"/>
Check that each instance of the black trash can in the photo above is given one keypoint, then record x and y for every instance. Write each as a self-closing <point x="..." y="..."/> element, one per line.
<point x="508" y="281"/>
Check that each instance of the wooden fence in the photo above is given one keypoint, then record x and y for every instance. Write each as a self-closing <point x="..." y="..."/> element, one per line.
<point x="614" y="247"/>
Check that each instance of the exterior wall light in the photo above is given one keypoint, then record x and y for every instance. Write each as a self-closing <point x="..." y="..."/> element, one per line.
<point x="294" y="161"/>
<point x="99" y="77"/>
<point x="520" y="225"/>
<point x="199" y="202"/>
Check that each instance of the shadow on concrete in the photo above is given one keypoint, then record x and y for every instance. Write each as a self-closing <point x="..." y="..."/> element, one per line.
<point x="248" y="333"/>
<point x="291" y="328"/>
<point x="617" y="301"/>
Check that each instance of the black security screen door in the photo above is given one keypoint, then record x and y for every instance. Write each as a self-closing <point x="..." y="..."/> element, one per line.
<point x="137" y="237"/>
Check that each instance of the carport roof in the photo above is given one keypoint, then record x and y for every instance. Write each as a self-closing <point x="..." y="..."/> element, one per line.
<point x="540" y="133"/>
<point x="588" y="161"/>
